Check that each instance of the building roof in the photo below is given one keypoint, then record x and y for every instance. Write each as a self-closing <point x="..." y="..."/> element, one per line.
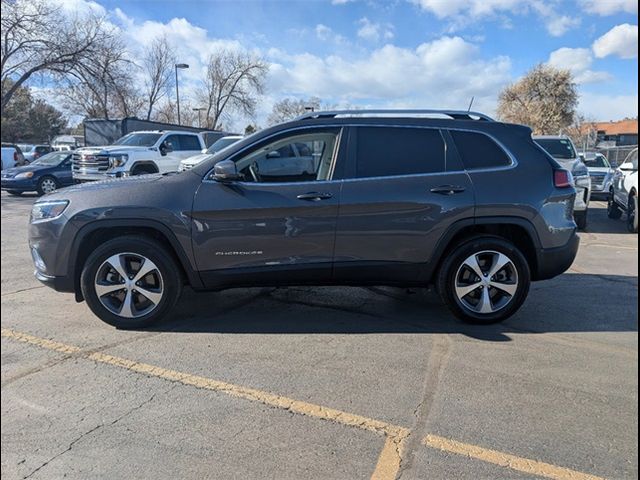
<point x="615" y="128"/>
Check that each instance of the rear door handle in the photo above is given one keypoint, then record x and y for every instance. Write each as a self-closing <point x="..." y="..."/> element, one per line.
<point x="314" y="196"/>
<point x="447" y="189"/>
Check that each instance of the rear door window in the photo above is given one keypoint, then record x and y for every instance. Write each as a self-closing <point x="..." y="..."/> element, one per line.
<point x="479" y="151"/>
<point x="393" y="151"/>
<point x="189" y="142"/>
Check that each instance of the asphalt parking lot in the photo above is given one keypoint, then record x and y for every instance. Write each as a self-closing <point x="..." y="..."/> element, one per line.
<point x="331" y="383"/>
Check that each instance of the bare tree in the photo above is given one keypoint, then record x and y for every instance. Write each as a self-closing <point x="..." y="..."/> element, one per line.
<point x="233" y="83"/>
<point x="583" y="132"/>
<point x="103" y="87"/>
<point x="38" y="38"/>
<point x="289" y="108"/>
<point x="157" y="65"/>
<point x="545" y="99"/>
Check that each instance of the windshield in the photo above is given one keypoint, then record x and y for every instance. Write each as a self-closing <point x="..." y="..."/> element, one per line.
<point x="557" y="147"/>
<point x="599" y="161"/>
<point x="139" y="139"/>
<point x="26" y="148"/>
<point x="220" y="144"/>
<point x="51" y="159"/>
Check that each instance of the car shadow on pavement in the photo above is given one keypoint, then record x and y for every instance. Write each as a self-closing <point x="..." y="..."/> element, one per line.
<point x="569" y="303"/>
<point x="600" y="223"/>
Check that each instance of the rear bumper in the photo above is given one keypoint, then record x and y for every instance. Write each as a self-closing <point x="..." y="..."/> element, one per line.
<point x="551" y="262"/>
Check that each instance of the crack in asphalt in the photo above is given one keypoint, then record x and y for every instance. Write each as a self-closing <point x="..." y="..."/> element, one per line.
<point x="92" y="430"/>
<point x="437" y="360"/>
<point x="81" y="353"/>
<point x="22" y="290"/>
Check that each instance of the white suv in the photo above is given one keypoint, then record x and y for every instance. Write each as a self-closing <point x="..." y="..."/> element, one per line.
<point x="623" y="195"/>
<point x="562" y="149"/>
<point x="135" y="154"/>
<point x="220" y="144"/>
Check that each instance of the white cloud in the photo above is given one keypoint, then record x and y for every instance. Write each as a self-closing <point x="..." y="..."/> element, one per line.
<point x="327" y="34"/>
<point x="374" y="31"/>
<point x="621" y="40"/>
<point x="605" y="107"/>
<point x="578" y="61"/>
<point x="341" y="2"/>
<point x="475" y="8"/>
<point x="463" y="12"/>
<point x="443" y="73"/>
<point x="610" y="7"/>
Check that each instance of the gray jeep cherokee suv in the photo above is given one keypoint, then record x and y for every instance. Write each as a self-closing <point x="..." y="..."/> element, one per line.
<point x="331" y="198"/>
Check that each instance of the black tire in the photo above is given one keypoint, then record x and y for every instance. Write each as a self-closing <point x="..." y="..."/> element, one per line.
<point x="613" y="210"/>
<point x="632" y="215"/>
<point x="453" y="265"/>
<point x="170" y="281"/>
<point x="15" y="193"/>
<point x="581" y="220"/>
<point x="47" y="184"/>
<point x="143" y="170"/>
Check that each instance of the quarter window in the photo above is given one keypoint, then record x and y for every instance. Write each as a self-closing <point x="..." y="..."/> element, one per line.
<point x="298" y="158"/>
<point x="479" y="151"/>
<point x="390" y="151"/>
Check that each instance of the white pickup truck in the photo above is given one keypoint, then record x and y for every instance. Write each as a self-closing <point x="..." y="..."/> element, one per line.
<point x="136" y="154"/>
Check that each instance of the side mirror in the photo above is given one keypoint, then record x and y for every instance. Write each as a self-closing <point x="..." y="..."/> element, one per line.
<point x="627" y="167"/>
<point x="204" y="150"/>
<point x="226" y="171"/>
<point x="165" y="148"/>
<point x="273" y="154"/>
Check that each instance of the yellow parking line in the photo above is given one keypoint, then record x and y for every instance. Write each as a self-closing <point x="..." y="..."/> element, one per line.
<point x="390" y="457"/>
<point x="525" y="465"/>
<point x="389" y="460"/>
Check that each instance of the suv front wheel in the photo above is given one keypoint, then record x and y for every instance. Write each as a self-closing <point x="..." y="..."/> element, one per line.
<point x="130" y="282"/>
<point x="484" y="280"/>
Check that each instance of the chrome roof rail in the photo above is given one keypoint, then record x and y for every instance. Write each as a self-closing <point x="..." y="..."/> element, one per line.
<point x="453" y="114"/>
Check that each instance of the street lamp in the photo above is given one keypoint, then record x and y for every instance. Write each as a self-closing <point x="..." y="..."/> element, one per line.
<point x="199" y="109"/>
<point x="181" y="66"/>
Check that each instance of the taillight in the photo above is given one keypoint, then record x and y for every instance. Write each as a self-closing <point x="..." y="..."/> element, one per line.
<point x="562" y="179"/>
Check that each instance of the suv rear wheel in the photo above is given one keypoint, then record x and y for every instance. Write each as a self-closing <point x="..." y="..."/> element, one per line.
<point x="632" y="215"/>
<point x="484" y="280"/>
<point x="613" y="210"/>
<point x="581" y="220"/>
<point x="130" y="282"/>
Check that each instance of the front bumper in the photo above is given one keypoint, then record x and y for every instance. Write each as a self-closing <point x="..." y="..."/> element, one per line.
<point x="20" y="185"/>
<point x="551" y="262"/>
<point x="59" y="284"/>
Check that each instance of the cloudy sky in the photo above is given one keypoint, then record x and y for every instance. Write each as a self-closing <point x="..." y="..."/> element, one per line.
<point x="401" y="53"/>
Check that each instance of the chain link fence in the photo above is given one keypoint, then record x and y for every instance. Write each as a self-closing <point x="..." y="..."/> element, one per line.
<point x="616" y="155"/>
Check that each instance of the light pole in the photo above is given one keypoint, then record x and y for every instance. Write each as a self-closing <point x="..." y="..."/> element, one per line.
<point x="181" y="66"/>
<point x="199" y="109"/>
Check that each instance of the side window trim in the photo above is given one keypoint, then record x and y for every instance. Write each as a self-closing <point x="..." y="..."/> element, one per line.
<point x="292" y="133"/>
<point x="507" y="152"/>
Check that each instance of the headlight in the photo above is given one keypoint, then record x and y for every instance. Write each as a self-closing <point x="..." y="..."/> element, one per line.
<point x="44" y="211"/>
<point x="116" y="161"/>
<point x="24" y="175"/>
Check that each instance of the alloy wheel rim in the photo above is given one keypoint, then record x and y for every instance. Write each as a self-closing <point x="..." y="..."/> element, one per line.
<point x="486" y="282"/>
<point x="129" y="285"/>
<point x="48" y="185"/>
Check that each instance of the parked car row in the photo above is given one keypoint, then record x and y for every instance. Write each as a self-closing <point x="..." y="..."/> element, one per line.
<point x="623" y="192"/>
<point x="44" y="175"/>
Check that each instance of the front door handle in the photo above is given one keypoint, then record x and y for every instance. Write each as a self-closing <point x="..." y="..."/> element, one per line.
<point x="314" y="196"/>
<point x="447" y="189"/>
